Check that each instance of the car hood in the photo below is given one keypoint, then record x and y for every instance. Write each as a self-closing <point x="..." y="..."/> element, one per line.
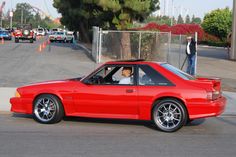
<point x="53" y="82"/>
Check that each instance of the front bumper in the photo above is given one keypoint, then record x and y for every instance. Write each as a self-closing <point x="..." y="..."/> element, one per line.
<point x="20" y="105"/>
<point x="209" y="109"/>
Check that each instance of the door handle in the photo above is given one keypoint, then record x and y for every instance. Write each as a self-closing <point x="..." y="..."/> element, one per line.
<point x="129" y="90"/>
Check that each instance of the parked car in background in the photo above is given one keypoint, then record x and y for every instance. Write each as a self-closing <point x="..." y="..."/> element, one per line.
<point x="58" y="36"/>
<point x="40" y="32"/>
<point x="24" y="32"/>
<point x="156" y="92"/>
<point x="6" y="35"/>
<point x="53" y="30"/>
<point x="69" y="36"/>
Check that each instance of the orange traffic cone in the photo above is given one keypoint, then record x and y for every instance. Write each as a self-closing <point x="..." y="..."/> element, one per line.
<point x="2" y="40"/>
<point x="43" y="45"/>
<point x="40" y="48"/>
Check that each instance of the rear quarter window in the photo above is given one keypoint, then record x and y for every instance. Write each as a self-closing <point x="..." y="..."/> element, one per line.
<point x="178" y="72"/>
<point x="149" y="76"/>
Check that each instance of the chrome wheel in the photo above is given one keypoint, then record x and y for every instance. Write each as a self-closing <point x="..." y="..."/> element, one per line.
<point x="169" y="115"/>
<point x="45" y="109"/>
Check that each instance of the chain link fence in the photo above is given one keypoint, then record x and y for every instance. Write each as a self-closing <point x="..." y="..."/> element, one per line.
<point x="149" y="45"/>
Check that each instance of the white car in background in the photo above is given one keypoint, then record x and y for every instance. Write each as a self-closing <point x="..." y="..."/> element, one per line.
<point x="69" y="36"/>
<point x="41" y="32"/>
<point x="58" y="36"/>
<point x="53" y="30"/>
<point x="62" y="36"/>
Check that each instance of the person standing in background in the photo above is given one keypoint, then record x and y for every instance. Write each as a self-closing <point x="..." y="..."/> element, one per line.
<point x="191" y="55"/>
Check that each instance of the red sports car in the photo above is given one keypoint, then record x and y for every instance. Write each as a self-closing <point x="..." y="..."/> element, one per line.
<point x="125" y="90"/>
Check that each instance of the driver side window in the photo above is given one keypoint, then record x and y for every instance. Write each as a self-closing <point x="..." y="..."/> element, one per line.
<point x="120" y="75"/>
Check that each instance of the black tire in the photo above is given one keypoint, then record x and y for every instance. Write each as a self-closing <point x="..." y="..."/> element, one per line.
<point x="169" y="115"/>
<point x="16" y="40"/>
<point x="71" y="41"/>
<point x="42" y="108"/>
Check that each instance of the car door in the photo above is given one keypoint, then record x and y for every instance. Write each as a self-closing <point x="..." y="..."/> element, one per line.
<point x="107" y="100"/>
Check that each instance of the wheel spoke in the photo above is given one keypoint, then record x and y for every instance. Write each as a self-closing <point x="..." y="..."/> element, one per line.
<point x="176" y="119"/>
<point x="165" y="108"/>
<point x="169" y="107"/>
<point x="160" y="111"/>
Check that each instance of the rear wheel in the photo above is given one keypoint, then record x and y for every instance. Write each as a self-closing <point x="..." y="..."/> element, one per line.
<point x="48" y="109"/>
<point x="169" y="115"/>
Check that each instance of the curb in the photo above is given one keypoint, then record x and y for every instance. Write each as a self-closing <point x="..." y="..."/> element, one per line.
<point x="83" y="47"/>
<point x="212" y="47"/>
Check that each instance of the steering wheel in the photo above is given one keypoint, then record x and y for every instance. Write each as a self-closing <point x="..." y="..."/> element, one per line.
<point x="97" y="79"/>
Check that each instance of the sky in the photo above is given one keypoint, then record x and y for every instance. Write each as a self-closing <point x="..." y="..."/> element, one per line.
<point x="193" y="7"/>
<point x="197" y="7"/>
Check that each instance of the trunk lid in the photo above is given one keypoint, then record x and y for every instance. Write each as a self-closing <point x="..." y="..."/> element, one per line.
<point x="211" y="85"/>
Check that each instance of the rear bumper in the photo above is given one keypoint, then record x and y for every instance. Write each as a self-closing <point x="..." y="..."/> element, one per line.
<point x="5" y="37"/>
<point x="210" y="109"/>
<point x="20" y="105"/>
<point x="24" y="38"/>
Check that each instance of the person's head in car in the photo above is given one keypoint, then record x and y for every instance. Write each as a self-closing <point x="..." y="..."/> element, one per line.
<point x="126" y="71"/>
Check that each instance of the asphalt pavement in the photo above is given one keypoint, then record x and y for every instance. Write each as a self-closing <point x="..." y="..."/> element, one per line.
<point x="22" y="63"/>
<point x="21" y="136"/>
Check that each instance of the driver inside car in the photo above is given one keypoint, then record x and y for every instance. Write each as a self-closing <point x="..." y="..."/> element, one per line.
<point x="126" y="73"/>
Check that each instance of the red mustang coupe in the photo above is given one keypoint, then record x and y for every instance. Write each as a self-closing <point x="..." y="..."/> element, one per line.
<point x="125" y="90"/>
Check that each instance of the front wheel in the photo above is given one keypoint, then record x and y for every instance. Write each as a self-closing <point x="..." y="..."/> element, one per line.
<point x="48" y="109"/>
<point x="169" y="115"/>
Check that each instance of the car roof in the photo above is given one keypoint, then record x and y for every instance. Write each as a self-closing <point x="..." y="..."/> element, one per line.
<point x="133" y="61"/>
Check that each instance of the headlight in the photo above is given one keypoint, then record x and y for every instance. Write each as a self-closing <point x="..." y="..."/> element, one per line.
<point x="17" y="94"/>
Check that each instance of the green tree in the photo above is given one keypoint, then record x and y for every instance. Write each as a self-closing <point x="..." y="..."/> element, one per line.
<point x="218" y="22"/>
<point x="30" y="17"/>
<point x="160" y="20"/>
<point x="180" y="20"/>
<point x="112" y="14"/>
<point x="24" y="9"/>
<point x="187" y="19"/>
<point x="196" y="20"/>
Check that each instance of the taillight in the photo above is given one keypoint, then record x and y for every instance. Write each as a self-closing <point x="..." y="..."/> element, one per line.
<point x="213" y="95"/>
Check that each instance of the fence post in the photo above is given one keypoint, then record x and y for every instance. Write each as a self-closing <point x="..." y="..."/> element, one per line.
<point x="169" y="44"/>
<point x="139" y="45"/>
<point x="180" y="48"/>
<point x="100" y="45"/>
<point x="196" y="36"/>
<point x="95" y="43"/>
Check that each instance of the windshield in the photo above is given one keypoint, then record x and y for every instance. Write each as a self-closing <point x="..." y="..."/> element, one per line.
<point x="178" y="72"/>
<point x="59" y="33"/>
<point x="3" y="32"/>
